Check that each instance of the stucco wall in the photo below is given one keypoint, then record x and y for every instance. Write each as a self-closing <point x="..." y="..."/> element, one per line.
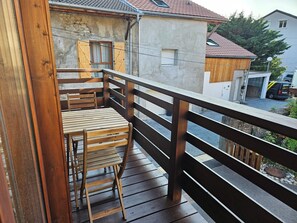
<point x="289" y="58"/>
<point x="188" y="37"/>
<point x="67" y="28"/>
<point x="218" y="90"/>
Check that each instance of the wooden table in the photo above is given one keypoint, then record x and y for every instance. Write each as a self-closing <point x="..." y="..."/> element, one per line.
<point x="74" y="123"/>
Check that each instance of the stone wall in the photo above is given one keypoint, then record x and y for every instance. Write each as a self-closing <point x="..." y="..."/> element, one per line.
<point x="68" y="28"/>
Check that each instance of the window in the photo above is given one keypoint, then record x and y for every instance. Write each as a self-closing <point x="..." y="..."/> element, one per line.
<point x="160" y="3"/>
<point x="210" y="42"/>
<point x="282" y="24"/>
<point x="169" y="57"/>
<point x="101" y="54"/>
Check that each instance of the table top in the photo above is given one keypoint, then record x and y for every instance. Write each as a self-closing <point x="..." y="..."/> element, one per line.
<point x="77" y="121"/>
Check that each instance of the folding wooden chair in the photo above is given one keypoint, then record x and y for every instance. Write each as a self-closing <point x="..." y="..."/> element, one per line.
<point x="78" y="102"/>
<point x="81" y="101"/>
<point x="100" y="151"/>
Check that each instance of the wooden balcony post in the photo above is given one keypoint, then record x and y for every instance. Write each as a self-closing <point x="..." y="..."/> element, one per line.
<point x="129" y="112"/>
<point x="178" y="146"/>
<point x="38" y="51"/>
<point x="106" y="93"/>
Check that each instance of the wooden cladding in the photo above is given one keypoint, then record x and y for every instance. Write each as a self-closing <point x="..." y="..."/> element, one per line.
<point x="222" y="69"/>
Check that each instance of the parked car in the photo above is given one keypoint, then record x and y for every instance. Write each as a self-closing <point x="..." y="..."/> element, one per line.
<point x="278" y="90"/>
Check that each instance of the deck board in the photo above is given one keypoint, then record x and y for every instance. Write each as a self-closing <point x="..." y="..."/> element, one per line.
<point x="144" y="194"/>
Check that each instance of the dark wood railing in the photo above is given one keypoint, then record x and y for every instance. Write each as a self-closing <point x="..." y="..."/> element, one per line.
<point x="222" y="200"/>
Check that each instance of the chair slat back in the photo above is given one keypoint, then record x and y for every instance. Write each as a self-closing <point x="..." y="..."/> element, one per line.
<point x="81" y="101"/>
<point x="104" y="139"/>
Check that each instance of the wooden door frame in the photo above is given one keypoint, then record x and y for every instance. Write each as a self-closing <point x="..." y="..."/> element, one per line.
<point x="29" y="88"/>
<point x="37" y="44"/>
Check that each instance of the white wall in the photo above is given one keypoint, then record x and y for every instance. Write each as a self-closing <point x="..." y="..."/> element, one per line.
<point x="218" y="90"/>
<point x="289" y="58"/>
<point x="188" y="37"/>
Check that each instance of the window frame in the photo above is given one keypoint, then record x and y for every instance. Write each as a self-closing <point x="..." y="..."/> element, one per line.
<point x="162" y="5"/>
<point x="175" y="58"/>
<point x="110" y="53"/>
<point x="282" y="23"/>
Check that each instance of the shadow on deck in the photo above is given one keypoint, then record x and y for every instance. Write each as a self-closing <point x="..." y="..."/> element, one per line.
<point x="145" y="200"/>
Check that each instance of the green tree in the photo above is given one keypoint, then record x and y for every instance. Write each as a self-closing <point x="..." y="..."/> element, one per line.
<point x="276" y="68"/>
<point x="253" y="35"/>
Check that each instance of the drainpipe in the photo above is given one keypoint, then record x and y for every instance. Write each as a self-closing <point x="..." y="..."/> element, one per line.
<point x="245" y="82"/>
<point x="129" y="35"/>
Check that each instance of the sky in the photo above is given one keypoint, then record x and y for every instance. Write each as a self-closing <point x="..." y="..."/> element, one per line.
<point x="258" y="8"/>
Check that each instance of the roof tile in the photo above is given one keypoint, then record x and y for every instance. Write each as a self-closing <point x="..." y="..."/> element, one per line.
<point x="117" y="5"/>
<point x="179" y="7"/>
<point x="226" y="49"/>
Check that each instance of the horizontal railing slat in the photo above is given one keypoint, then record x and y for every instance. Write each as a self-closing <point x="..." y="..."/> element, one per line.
<point x="153" y="116"/>
<point x="79" y="70"/>
<point x="267" y="120"/>
<point x="157" y="138"/>
<point x="161" y="103"/>
<point x="79" y="80"/>
<point x="81" y="90"/>
<point x="210" y="204"/>
<point x="119" y="108"/>
<point x="117" y="83"/>
<point x="275" y="189"/>
<point x="151" y="149"/>
<point x="116" y="94"/>
<point x="236" y="200"/>
<point x="268" y="150"/>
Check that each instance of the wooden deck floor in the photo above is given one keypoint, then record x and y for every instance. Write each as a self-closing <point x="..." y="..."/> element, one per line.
<point x="144" y="189"/>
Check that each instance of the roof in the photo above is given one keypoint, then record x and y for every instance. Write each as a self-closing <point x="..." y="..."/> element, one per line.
<point x="181" y="8"/>
<point x="117" y="6"/>
<point x="226" y="49"/>
<point x="279" y="11"/>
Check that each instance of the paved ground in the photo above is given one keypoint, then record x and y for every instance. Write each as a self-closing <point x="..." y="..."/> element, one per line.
<point x="266" y="104"/>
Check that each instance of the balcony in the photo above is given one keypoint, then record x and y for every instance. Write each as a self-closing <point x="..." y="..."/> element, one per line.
<point x="168" y="140"/>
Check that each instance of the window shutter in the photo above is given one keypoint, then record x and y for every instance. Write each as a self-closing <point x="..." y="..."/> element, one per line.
<point x="119" y="57"/>
<point x="84" y="61"/>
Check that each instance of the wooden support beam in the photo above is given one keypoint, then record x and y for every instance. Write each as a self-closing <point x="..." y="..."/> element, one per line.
<point x="178" y="147"/>
<point x="106" y="93"/>
<point x="37" y="46"/>
<point x="129" y="101"/>
<point x="20" y="138"/>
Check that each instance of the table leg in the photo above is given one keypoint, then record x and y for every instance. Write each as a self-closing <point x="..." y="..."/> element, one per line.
<point x="68" y="151"/>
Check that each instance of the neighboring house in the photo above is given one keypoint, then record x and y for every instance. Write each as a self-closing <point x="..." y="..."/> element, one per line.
<point x="286" y="24"/>
<point x="172" y="41"/>
<point x="166" y="45"/>
<point x="97" y="34"/>
<point x="226" y="68"/>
